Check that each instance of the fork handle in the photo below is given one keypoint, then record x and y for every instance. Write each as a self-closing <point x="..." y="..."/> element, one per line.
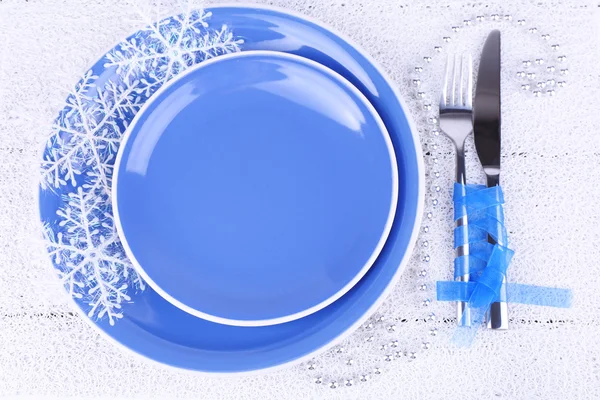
<point x="463" y="312"/>
<point x="461" y="170"/>
<point x="498" y="315"/>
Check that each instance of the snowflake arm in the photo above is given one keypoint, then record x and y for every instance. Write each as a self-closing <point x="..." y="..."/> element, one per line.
<point x="90" y="258"/>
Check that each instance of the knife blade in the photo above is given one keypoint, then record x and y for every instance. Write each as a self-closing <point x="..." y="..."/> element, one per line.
<point x="487" y="128"/>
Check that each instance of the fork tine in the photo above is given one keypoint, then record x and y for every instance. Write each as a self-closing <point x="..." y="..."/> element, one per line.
<point x="469" y="94"/>
<point x="454" y="81"/>
<point x="461" y="91"/>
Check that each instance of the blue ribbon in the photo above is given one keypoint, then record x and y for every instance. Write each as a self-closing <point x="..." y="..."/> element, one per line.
<point x="486" y="263"/>
<point x="514" y="293"/>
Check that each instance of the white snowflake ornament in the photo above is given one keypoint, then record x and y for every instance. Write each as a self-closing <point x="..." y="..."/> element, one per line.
<point x="78" y="161"/>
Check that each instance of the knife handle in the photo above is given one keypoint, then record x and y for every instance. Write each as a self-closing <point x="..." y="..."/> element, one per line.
<point x="498" y="314"/>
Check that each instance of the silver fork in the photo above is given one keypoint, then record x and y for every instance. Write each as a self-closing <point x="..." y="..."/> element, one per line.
<point x="456" y="121"/>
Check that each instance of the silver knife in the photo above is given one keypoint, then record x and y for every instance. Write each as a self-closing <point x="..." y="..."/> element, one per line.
<point x="486" y="128"/>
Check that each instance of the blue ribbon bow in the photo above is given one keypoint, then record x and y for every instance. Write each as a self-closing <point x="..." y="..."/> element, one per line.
<point x="486" y="263"/>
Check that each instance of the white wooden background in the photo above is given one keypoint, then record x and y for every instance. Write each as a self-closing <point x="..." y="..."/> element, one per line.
<point x="551" y="177"/>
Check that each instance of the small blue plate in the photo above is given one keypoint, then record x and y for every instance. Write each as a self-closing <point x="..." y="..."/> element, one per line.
<point x="76" y="210"/>
<point x="255" y="189"/>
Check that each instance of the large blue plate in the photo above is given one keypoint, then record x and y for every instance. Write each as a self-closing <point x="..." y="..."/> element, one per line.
<point x="74" y="197"/>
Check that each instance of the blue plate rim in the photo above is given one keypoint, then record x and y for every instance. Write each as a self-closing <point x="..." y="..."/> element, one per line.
<point x="324" y="303"/>
<point x="391" y="283"/>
